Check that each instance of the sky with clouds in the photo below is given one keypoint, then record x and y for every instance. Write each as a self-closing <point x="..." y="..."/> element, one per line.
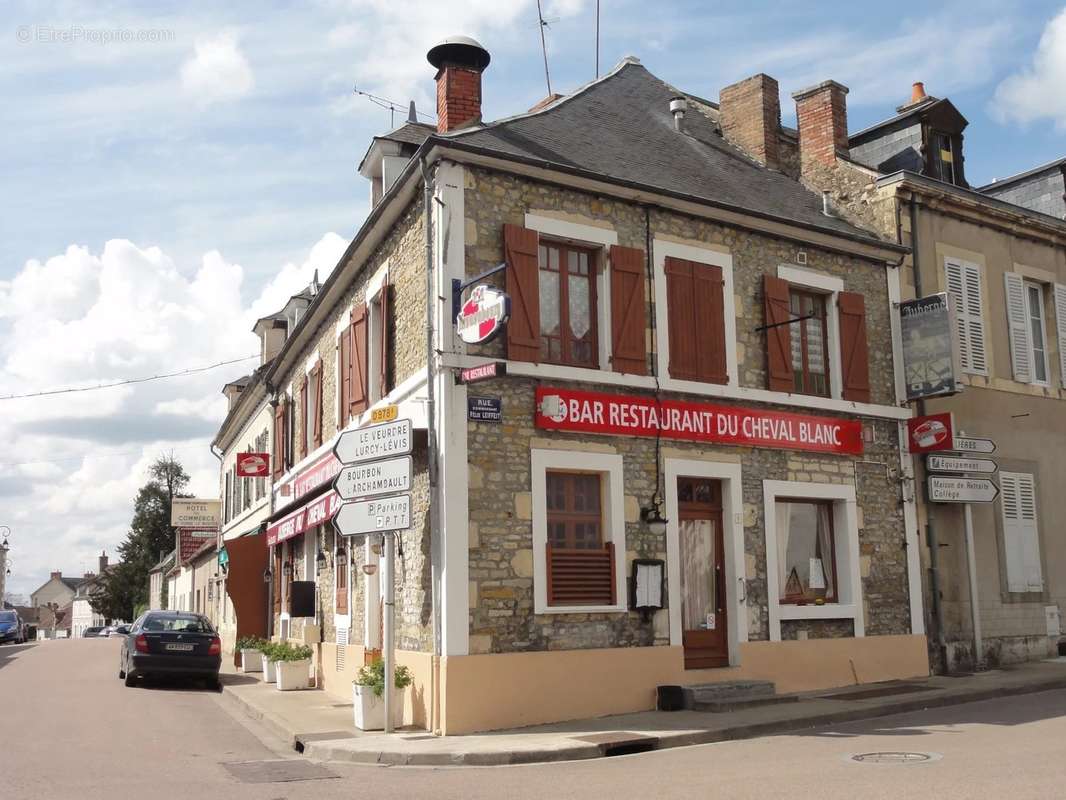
<point x="172" y="172"/>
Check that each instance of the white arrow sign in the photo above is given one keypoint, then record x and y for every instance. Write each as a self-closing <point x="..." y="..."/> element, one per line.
<point x="374" y="442"/>
<point x="964" y="444"/>
<point x="374" y="478"/>
<point x="943" y="489"/>
<point x="983" y="466"/>
<point x="374" y="516"/>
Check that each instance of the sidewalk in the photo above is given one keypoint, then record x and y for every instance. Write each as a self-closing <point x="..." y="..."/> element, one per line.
<point x="321" y="726"/>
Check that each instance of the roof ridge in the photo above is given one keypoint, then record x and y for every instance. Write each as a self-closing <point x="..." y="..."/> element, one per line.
<point x="1055" y="162"/>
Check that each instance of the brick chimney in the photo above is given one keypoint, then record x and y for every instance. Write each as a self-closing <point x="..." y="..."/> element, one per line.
<point x="460" y="61"/>
<point x="57" y="575"/>
<point x="750" y="114"/>
<point x="103" y="561"/>
<point x="822" y="117"/>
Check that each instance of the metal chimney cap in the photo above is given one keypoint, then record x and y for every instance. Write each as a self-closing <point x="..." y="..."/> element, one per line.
<point x="678" y="104"/>
<point x="462" y="51"/>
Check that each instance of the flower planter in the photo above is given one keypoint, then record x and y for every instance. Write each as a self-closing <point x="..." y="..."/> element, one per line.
<point x="251" y="661"/>
<point x="293" y="675"/>
<point x="270" y="672"/>
<point x="370" y="709"/>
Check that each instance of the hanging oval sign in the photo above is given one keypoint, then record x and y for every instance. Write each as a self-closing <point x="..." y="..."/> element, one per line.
<point x="483" y="314"/>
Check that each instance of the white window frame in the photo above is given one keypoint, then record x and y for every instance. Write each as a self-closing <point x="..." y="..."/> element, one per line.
<point x="1017" y="535"/>
<point x="662" y="250"/>
<point x="831" y="287"/>
<point x="1027" y="286"/>
<point x="609" y="467"/>
<point x="965" y="319"/>
<point x="849" y="603"/>
<point x="596" y="238"/>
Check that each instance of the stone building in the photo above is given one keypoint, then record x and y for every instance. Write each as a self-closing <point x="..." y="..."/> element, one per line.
<point x="999" y="252"/>
<point x="691" y="471"/>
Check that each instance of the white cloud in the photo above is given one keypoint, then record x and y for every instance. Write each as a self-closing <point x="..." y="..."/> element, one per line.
<point x="218" y="71"/>
<point x="72" y="463"/>
<point x="1037" y="92"/>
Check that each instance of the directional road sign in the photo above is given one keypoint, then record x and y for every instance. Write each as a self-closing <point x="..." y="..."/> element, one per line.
<point x="374" y="516"/>
<point x="965" y="444"/>
<point x="374" y="442"/>
<point x="982" y="466"/>
<point x="944" y="489"/>
<point x="374" y="478"/>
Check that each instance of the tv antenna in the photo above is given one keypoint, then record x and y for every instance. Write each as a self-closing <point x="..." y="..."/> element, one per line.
<point x="544" y="47"/>
<point x="392" y="107"/>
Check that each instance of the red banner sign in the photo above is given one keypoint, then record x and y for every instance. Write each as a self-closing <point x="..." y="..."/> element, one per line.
<point x="253" y="465"/>
<point x="317" y="512"/>
<point x="324" y="470"/>
<point x="622" y="415"/>
<point x="930" y="433"/>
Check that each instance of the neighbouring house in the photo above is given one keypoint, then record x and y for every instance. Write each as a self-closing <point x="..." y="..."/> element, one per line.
<point x="157" y="580"/>
<point x="57" y="591"/>
<point x="999" y="253"/>
<point x="688" y="466"/>
<point x="83" y="615"/>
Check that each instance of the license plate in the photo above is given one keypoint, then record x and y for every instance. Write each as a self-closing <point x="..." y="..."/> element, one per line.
<point x="181" y="648"/>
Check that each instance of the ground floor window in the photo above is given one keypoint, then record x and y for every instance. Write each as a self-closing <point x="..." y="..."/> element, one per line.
<point x="806" y="562"/>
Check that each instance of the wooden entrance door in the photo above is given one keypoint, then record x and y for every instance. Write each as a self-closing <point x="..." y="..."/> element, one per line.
<point x="704" y="629"/>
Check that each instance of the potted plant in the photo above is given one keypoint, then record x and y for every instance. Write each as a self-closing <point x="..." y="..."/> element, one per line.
<point x="368" y="689"/>
<point x="293" y="664"/>
<point x="270" y="673"/>
<point x="250" y="648"/>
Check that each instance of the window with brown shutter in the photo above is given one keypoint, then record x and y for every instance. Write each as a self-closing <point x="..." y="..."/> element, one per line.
<point x="695" y="308"/>
<point x="344" y="376"/>
<point x="357" y="381"/>
<point x="854" y="350"/>
<point x="301" y="444"/>
<point x="316" y="411"/>
<point x="778" y="313"/>
<point x="280" y="438"/>
<point x="628" y="311"/>
<point x="523" y="329"/>
<point x="341" y="573"/>
<point x="567" y="287"/>
<point x="580" y="566"/>
<point x="384" y="378"/>
<point x="809" y="343"/>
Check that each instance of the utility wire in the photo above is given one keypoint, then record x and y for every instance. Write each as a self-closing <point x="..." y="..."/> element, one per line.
<point x="75" y="389"/>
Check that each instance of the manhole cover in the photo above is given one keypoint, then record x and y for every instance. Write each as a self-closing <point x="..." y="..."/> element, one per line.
<point x="281" y="771"/>
<point x="894" y="758"/>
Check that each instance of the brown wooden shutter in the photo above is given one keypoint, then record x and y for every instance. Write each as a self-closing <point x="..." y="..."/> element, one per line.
<point x="681" y="319"/>
<point x="357" y="399"/>
<point x="383" y="367"/>
<point x="854" y="351"/>
<point x="695" y="310"/>
<point x="316" y="376"/>
<point x="582" y="577"/>
<point x="628" y="311"/>
<point x="301" y="444"/>
<point x="523" y="330"/>
<point x="279" y="439"/>
<point x="344" y="379"/>
<point x="341" y="580"/>
<point x="778" y="338"/>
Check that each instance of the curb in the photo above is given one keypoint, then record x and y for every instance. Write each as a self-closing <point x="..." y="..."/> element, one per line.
<point x="576" y="752"/>
<point x="271" y="721"/>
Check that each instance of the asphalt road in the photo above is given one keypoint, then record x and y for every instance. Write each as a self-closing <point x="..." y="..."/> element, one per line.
<point x="69" y="728"/>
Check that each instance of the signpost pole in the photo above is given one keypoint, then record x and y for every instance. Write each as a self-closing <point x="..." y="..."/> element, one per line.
<point x="388" y="640"/>
<point x="975" y="611"/>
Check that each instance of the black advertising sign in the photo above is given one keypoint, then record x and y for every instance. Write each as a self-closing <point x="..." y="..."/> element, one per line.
<point x="484" y="409"/>
<point x="929" y="350"/>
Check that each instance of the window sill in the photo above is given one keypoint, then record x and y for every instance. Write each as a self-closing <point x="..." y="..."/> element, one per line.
<point x="615" y="609"/>
<point x="827" y="611"/>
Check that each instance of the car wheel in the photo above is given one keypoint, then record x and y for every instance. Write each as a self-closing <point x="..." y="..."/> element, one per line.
<point x="129" y="676"/>
<point x="122" y="668"/>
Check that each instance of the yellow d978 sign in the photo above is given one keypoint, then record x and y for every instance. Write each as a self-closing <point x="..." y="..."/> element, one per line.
<point x="384" y="414"/>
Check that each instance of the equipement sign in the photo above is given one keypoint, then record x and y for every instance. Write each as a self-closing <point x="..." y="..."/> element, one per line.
<point x="374" y="478"/>
<point x="982" y="466"/>
<point x="625" y="415"/>
<point x="374" y="441"/>
<point x="944" y="489"/>
<point x="374" y="516"/>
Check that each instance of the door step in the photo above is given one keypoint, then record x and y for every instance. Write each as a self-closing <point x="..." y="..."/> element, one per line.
<point x="731" y="695"/>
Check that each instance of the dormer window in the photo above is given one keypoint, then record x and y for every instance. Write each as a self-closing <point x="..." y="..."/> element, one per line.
<point x="942" y="157"/>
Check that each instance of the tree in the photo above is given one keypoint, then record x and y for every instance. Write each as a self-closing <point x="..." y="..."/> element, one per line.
<point x="125" y="585"/>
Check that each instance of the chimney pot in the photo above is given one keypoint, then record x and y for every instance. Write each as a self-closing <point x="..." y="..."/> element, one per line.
<point x="917" y="92"/>
<point x="57" y="574"/>
<point x="678" y="106"/>
<point x="460" y="61"/>
<point x="103" y="561"/>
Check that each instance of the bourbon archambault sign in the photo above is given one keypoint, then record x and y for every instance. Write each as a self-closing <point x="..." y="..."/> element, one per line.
<point x="625" y="415"/>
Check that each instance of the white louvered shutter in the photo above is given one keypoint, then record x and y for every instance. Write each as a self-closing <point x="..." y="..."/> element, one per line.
<point x="1021" y="343"/>
<point x="1021" y="541"/>
<point x="1060" y="329"/>
<point x="964" y="286"/>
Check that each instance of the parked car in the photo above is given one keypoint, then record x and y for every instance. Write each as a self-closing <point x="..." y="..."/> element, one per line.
<point x="11" y="628"/>
<point x="118" y="630"/>
<point x="92" y="633"/>
<point x="173" y="643"/>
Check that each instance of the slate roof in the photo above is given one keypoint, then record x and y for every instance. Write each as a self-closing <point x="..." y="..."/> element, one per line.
<point x="410" y="133"/>
<point x="620" y="127"/>
<point x="73" y="583"/>
<point x="1000" y="183"/>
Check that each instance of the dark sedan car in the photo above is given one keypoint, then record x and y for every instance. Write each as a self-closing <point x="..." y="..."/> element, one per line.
<point x="174" y="643"/>
<point x="11" y="627"/>
<point x="94" y="632"/>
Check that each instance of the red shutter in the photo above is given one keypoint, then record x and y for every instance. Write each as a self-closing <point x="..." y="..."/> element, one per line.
<point x="383" y="366"/>
<point x="854" y="351"/>
<point x="279" y="439"/>
<point x="523" y="330"/>
<point x="301" y="444"/>
<point x="357" y="399"/>
<point x="681" y="319"/>
<point x="778" y="338"/>
<point x="709" y="302"/>
<point x="316" y="376"/>
<point x="628" y="311"/>
<point x="344" y="379"/>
